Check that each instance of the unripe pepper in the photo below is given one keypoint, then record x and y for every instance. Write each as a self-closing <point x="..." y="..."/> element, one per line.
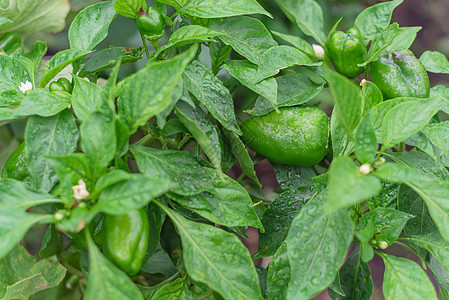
<point x="346" y="50"/>
<point x="151" y="25"/>
<point x="62" y="84"/>
<point x="295" y="136"/>
<point x="125" y="239"/>
<point x="10" y="42"/>
<point x="400" y="74"/>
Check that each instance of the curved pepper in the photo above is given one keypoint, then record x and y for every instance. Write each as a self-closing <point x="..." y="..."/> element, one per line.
<point x="346" y="50"/>
<point x="125" y="239"/>
<point x="295" y="135"/>
<point x="62" y="84"/>
<point x="400" y="74"/>
<point x="16" y="165"/>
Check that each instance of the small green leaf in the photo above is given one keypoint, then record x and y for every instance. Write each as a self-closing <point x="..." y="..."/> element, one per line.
<point x="374" y="19"/>
<point x="404" y="279"/>
<point x="348" y="186"/>
<point x="404" y="39"/>
<point x="176" y="290"/>
<point x="42" y="103"/>
<point x="59" y="61"/>
<point x="222" y="8"/>
<point x="217" y="258"/>
<point x="307" y="15"/>
<point x="129" y="8"/>
<point x="365" y="141"/>
<point x="296" y="42"/>
<point x="435" y="244"/>
<point x="86" y="98"/>
<point x="91" y="25"/>
<point x="106" y="281"/>
<point x="247" y="36"/>
<point x="278" y="275"/>
<point x="435" y="62"/>
<point x="15" y="193"/>
<point x="317" y="243"/>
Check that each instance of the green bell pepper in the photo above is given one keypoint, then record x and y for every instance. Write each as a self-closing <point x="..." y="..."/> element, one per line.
<point x="151" y="24"/>
<point x="346" y="50"/>
<point x="400" y="74"/>
<point x="294" y="136"/>
<point x="125" y="239"/>
<point x="10" y="42"/>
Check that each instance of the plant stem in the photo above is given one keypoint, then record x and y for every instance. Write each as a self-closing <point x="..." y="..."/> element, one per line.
<point x="155" y="44"/>
<point x="146" y="139"/>
<point x="145" y="46"/>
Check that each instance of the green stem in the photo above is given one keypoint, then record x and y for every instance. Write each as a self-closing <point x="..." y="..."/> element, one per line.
<point x="145" y="46"/>
<point x="155" y="44"/>
<point x="146" y="139"/>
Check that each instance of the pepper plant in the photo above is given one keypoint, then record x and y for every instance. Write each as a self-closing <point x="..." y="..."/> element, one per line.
<point x="130" y="175"/>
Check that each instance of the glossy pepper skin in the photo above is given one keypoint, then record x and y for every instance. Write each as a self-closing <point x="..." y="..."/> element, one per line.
<point x="62" y="84"/>
<point x="10" y="42"/>
<point x="346" y="50"/>
<point x="400" y="74"/>
<point x="16" y="166"/>
<point x="151" y="25"/>
<point x="294" y="136"/>
<point x="125" y="240"/>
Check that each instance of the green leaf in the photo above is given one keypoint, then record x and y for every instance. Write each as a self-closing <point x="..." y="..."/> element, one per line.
<point x="278" y="217"/>
<point x="56" y="135"/>
<point x="435" y="62"/>
<point x="98" y="140"/>
<point x="217" y="258"/>
<point x="355" y="278"/>
<point x="411" y="203"/>
<point x="388" y="223"/>
<point x="348" y="100"/>
<point x="4" y="21"/>
<point x="245" y="72"/>
<point x="59" y="61"/>
<point x="281" y="57"/>
<point x="365" y="141"/>
<point x="178" y="93"/>
<point x="130" y="192"/>
<point x="278" y="275"/>
<point x="342" y="144"/>
<point x="437" y="134"/>
<point x="441" y="276"/>
<point x="293" y="89"/>
<point x="22" y="276"/>
<point x="86" y="98"/>
<point x="371" y="95"/>
<point x="374" y="19"/>
<point x="129" y="8"/>
<point x="91" y="25"/>
<point x="239" y="150"/>
<point x="406" y="119"/>
<point x="435" y="244"/>
<point x="210" y="91"/>
<point x="209" y="194"/>
<point x="307" y="14"/>
<point x="51" y="243"/>
<point x="222" y="8"/>
<point x="317" y="243"/>
<point x="178" y="289"/>
<point x="381" y="42"/>
<point x="12" y="74"/>
<point x="296" y="42"/>
<point x="404" y="279"/>
<point x="293" y="177"/>
<point x="15" y="193"/>
<point x="32" y="59"/>
<point x="43" y="103"/>
<point x="14" y="224"/>
<point x="348" y="186"/>
<point x="106" y="281"/>
<point x="434" y="192"/>
<point x="149" y="91"/>
<point x="404" y="39"/>
<point x="108" y="58"/>
<point x="247" y="36"/>
<point x="203" y="130"/>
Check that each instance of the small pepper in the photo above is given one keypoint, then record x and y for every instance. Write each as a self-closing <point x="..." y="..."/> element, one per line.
<point x="400" y="74"/>
<point x="62" y="84"/>
<point x="125" y="239"/>
<point x="346" y="50"/>
<point x="151" y="24"/>
<point x="10" y="42"/>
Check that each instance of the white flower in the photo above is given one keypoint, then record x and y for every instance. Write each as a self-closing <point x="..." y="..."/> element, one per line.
<point x="319" y="51"/>
<point x="383" y="245"/>
<point x="365" y="169"/>
<point x="24" y="87"/>
<point x="362" y="83"/>
<point x="79" y="191"/>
